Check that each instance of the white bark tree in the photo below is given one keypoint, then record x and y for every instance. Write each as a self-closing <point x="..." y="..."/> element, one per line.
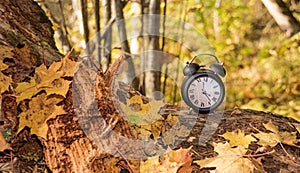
<point x="153" y="64"/>
<point x="283" y="16"/>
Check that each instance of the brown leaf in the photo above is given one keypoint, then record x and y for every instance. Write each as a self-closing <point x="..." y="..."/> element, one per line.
<point x="40" y="110"/>
<point x="3" y="144"/>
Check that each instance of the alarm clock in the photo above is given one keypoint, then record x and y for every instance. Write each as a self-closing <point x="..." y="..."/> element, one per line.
<point x="202" y="88"/>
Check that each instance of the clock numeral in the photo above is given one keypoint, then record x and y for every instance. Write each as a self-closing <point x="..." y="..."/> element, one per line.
<point x="214" y="99"/>
<point x="199" y="80"/>
<point x="196" y="102"/>
<point x="193" y="84"/>
<point x="192" y="97"/>
<point x="191" y="90"/>
<point x="216" y="86"/>
<point x="209" y="103"/>
<point x="217" y="93"/>
<point x="205" y="79"/>
<point x="202" y="104"/>
<point x="211" y="81"/>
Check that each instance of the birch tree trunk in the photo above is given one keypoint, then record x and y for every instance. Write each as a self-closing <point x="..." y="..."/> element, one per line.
<point x="283" y="16"/>
<point x="153" y="66"/>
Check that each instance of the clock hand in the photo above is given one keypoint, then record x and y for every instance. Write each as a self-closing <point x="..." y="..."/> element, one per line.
<point x="206" y="95"/>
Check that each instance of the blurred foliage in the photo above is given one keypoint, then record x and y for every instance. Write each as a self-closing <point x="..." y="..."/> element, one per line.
<point x="263" y="65"/>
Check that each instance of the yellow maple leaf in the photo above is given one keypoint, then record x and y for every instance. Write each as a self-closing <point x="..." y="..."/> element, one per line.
<point x="275" y="136"/>
<point x="5" y="81"/>
<point x="50" y="80"/>
<point x="66" y="66"/>
<point x="40" y="110"/>
<point x="182" y="155"/>
<point x="229" y="160"/>
<point x="169" y="163"/>
<point x="3" y="66"/>
<point x="145" y="114"/>
<point x="238" y="138"/>
<point x="270" y="126"/>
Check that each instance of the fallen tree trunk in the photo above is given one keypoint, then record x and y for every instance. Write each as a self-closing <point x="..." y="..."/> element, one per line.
<point x="94" y="135"/>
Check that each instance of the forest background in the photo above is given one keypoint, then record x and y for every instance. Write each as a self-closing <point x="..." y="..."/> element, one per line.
<point x="260" y="50"/>
<point x="53" y="116"/>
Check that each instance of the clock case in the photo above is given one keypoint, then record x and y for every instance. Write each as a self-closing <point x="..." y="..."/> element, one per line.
<point x="192" y="71"/>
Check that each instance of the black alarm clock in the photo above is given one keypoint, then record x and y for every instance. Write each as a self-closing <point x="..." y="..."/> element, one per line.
<point x="202" y="88"/>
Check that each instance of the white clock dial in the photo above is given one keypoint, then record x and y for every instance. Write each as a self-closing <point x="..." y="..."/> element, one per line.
<point x="204" y="92"/>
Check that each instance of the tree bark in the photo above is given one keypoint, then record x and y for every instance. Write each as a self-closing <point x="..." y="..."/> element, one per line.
<point x="98" y="34"/>
<point x="153" y="65"/>
<point x="131" y="75"/>
<point x="21" y="26"/>
<point x="85" y="18"/>
<point x="108" y="36"/>
<point x="283" y="16"/>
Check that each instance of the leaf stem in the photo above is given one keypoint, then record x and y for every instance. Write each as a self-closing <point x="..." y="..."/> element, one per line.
<point x="286" y="152"/>
<point x="259" y="155"/>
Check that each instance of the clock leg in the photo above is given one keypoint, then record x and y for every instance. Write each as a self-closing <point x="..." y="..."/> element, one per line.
<point x="190" y="111"/>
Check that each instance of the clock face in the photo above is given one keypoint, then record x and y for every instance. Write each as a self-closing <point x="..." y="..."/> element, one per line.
<point x="203" y="91"/>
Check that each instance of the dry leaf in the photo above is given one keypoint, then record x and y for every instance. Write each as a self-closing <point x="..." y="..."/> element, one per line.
<point x="66" y="66"/>
<point x="177" y="130"/>
<point x="270" y="126"/>
<point x="180" y="156"/>
<point x="41" y="81"/>
<point x="170" y="163"/>
<point x="152" y="165"/>
<point x="40" y="110"/>
<point x="3" y="66"/>
<point x="5" y="81"/>
<point x="6" y="51"/>
<point x="229" y="160"/>
<point x="238" y="138"/>
<point x="141" y="113"/>
<point x="50" y="80"/>
<point x="144" y="116"/>
<point x="3" y="144"/>
<point x="275" y="136"/>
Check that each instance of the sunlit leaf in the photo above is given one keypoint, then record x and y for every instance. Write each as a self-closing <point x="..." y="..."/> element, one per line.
<point x="142" y="113"/>
<point x="275" y="136"/>
<point x="40" y="110"/>
<point x="50" y="80"/>
<point x="229" y="160"/>
<point x="5" y="81"/>
<point x="238" y="138"/>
